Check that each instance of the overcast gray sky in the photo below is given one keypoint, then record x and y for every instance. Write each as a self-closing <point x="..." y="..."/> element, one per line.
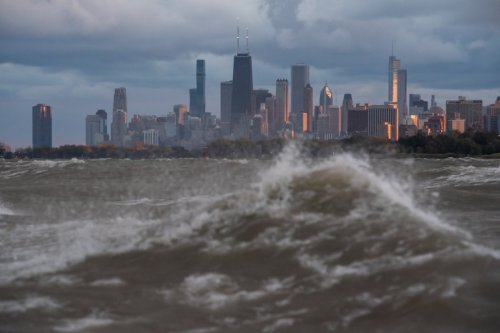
<point x="71" y="54"/>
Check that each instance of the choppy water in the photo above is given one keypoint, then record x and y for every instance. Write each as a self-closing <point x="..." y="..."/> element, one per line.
<point x="346" y="244"/>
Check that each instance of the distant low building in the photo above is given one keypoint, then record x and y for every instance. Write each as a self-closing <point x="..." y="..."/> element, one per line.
<point x="436" y="124"/>
<point x="492" y="118"/>
<point x="457" y="124"/>
<point x="471" y="111"/>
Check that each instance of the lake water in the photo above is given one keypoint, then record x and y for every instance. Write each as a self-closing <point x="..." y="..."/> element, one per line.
<point x="351" y="243"/>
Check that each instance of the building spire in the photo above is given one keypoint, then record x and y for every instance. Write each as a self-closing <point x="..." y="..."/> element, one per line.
<point x="247" y="41"/>
<point x="392" y="50"/>
<point x="238" y="35"/>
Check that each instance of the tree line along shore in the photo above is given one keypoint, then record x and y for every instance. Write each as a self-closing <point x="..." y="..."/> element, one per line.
<point x="470" y="143"/>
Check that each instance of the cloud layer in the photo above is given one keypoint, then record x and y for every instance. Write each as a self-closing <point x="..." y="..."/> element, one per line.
<point x="72" y="53"/>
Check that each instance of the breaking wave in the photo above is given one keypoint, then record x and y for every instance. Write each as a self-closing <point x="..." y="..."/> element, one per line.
<point x="365" y="219"/>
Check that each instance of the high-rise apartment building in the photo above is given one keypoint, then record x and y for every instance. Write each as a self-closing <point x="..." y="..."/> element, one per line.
<point x="226" y="92"/>
<point x="42" y="126"/>
<point x="281" y="104"/>
<point x="258" y="97"/>
<point x="104" y="123"/>
<point x="401" y="96"/>
<point x="120" y="117"/>
<point x="347" y="104"/>
<point x="96" y="129"/>
<point x="383" y="121"/>
<point x="308" y="108"/>
<point x="272" y="123"/>
<point x="494" y="109"/>
<point x="334" y="121"/>
<point x="469" y="110"/>
<point x="300" y="78"/>
<point x="241" y="98"/>
<point x="181" y="114"/>
<point x="358" y="120"/>
<point x="197" y="95"/>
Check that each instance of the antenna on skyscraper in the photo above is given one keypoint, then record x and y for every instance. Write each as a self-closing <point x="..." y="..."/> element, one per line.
<point x="247" y="41"/>
<point x="392" y="51"/>
<point x="237" y="35"/>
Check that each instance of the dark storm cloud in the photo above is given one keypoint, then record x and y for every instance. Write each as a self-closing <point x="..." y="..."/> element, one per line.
<point x="78" y="50"/>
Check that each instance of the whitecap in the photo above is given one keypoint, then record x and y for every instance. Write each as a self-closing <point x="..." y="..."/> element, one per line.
<point x="111" y="282"/>
<point x="93" y="320"/>
<point x="5" y="211"/>
<point x="27" y="304"/>
<point x="214" y="290"/>
<point x="279" y="324"/>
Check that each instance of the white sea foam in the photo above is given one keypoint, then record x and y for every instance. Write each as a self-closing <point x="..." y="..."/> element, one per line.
<point x="279" y="324"/>
<point x="214" y="290"/>
<point x="111" y="282"/>
<point x="93" y="320"/>
<point x="33" y="249"/>
<point x="59" y="280"/>
<point x="353" y="315"/>
<point x="27" y="304"/>
<point x="56" y="163"/>
<point x="453" y="285"/>
<point x="5" y="211"/>
<point x="469" y="175"/>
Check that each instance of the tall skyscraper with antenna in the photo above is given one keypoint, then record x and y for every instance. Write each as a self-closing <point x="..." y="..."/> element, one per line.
<point x="394" y="66"/>
<point x="241" y="99"/>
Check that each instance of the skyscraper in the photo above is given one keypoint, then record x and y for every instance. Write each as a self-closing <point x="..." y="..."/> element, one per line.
<point x="42" y="126"/>
<point x="104" y="123"/>
<point x="120" y="100"/>
<point x="334" y="121"/>
<point x="226" y="91"/>
<point x="401" y="96"/>
<point x="308" y="108"/>
<point x="347" y="105"/>
<point x="197" y="95"/>
<point x="281" y="103"/>
<point x="325" y="97"/>
<point x="325" y="101"/>
<point x="120" y="117"/>
<point x="258" y="97"/>
<point x="383" y="121"/>
<point x="272" y="123"/>
<point x="181" y="114"/>
<point x="241" y="98"/>
<point x="394" y="66"/>
<point x="470" y="110"/>
<point x="300" y="78"/>
<point x="96" y="129"/>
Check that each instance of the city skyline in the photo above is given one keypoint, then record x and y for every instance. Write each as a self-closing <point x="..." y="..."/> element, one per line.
<point x="79" y="63"/>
